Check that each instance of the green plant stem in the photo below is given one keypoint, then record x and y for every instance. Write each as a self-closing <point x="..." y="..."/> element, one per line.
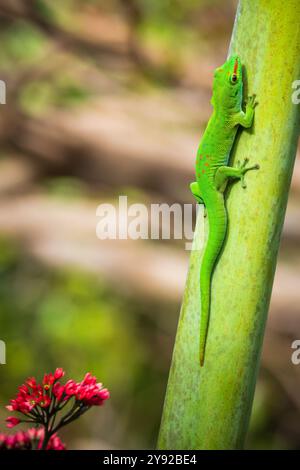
<point x="47" y="436"/>
<point x="209" y="407"/>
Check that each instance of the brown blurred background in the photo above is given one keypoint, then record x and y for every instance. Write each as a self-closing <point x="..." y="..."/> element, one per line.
<point x="109" y="98"/>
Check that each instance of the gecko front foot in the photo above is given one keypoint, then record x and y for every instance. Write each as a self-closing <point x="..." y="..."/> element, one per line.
<point x="251" y="101"/>
<point x="242" y="167"/>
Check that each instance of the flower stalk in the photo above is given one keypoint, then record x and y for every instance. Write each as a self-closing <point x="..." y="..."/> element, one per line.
<point x="209" y="407"/>
<point x="41" y="404"/>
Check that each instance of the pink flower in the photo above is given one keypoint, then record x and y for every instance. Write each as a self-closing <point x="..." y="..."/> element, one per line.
<point x="31" y="382"/>
<point x="27" y="440"/>
<point x="21" y="440"/>
<point x="12" y="421"/>
<point x="55" y="443"/>
<point x="34" y="398"/>
<point x="58" y="390"/>
<point x="71" y="387"/>
<point x="23" y="390"/>
<point x="45" y="401"/>
<point x="59" y="373"/>
<point x="9" y="442"/>
<point x="91" y="393"/>
<point x="48" y="381"/>
<point x="22" y="404"/>
<point x="89" y="379"/>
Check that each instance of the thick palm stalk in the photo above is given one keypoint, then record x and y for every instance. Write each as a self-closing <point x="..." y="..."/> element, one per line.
<point x="209" y="407"/>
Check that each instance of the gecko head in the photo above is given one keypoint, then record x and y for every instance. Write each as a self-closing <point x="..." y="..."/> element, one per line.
<point x="228" y="82"/>
<point x="233" y="68"/>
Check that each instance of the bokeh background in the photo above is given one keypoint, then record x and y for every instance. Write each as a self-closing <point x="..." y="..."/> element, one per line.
<point x="109" y="98"/>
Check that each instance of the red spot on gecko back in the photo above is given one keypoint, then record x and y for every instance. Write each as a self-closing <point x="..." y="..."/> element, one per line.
<point x="203" y="171"/>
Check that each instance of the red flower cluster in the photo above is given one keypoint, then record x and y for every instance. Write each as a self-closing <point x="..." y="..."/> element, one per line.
<point x="29" y="440"/>
<point x="89" y="392"/>
<point x="41" y="403"/>
<point x="33" y="396"/>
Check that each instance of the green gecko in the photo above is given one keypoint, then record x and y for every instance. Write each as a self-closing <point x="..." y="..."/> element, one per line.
<point x="213" y="172"/>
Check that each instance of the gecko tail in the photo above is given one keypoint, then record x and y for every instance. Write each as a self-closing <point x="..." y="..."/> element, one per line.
<point x="217" y="220"/>
<point x="205" y="294"/>
<point x="202" y="352"/>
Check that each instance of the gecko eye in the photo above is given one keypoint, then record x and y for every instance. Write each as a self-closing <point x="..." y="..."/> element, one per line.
<point x="234" y="78"/>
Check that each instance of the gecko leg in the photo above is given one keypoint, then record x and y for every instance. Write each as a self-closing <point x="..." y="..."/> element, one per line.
<point x="194" y="187"/>
<point x="225" y="172"/>
<point x="245" y="119"/>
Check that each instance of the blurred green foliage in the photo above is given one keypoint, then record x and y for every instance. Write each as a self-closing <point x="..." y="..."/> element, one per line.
<point x="21" y="43"/>
<point x="62" y="91"/>
<point x="69" y="319"/>
<point x="66" y="317"/>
